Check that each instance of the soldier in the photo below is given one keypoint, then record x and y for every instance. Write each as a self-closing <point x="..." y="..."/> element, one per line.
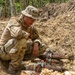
<point x="20" y="38"/>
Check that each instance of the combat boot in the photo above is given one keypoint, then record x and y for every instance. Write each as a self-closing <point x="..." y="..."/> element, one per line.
<point x="13" y="71"/>
<point x="4" y="65"/>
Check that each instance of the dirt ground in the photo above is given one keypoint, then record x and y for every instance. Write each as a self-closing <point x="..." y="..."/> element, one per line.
<point x="57" y="30"/>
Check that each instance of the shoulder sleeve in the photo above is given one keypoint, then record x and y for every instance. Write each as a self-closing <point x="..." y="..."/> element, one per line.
<point x="14" y="28"/>
<point x="35" y="35"/>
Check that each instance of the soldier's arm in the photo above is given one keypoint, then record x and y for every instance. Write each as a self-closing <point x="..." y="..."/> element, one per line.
<point x="15" y="30"/>
<point x="35" y="36"/>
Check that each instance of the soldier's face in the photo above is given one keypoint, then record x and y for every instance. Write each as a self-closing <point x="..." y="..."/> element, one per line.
<point x="28" y="21"/>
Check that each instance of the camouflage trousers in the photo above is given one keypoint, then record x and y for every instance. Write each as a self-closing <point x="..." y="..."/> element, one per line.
<point x="23" y="48"/>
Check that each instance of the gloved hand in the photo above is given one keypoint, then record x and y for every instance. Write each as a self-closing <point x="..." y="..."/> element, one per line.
<point x="1" y="49"/>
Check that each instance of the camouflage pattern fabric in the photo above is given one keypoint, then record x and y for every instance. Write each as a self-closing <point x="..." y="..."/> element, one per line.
<point x="15" y="29"/>
<point x="17" y="57"/>
<point x="31" y="11"/>
<point x="28" y="53"/>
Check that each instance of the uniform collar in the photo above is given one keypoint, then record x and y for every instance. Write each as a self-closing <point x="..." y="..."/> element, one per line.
<point x="22" y="24"/>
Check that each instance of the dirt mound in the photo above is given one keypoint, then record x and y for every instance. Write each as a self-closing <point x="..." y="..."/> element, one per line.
<point x="55" y="9"/>
<point x="58" y="32"/>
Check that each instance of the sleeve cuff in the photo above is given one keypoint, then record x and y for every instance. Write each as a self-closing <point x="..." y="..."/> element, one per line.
<point x="37" y="41"/>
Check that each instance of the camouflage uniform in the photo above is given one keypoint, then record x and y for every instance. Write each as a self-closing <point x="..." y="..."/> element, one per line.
<point x="15" y="43"/>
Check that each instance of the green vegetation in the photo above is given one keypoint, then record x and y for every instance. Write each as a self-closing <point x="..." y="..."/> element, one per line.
<point x="1" y="2"/>
<point x="18" y="5"/>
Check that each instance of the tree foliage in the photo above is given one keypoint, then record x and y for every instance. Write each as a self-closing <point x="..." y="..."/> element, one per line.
<point x="18" y="5"/>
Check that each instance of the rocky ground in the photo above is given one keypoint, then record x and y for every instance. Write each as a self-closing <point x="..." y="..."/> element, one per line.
<point x="57" y="30"/>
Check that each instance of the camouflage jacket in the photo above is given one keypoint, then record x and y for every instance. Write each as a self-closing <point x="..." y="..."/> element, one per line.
<point x="14" y="29"/>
